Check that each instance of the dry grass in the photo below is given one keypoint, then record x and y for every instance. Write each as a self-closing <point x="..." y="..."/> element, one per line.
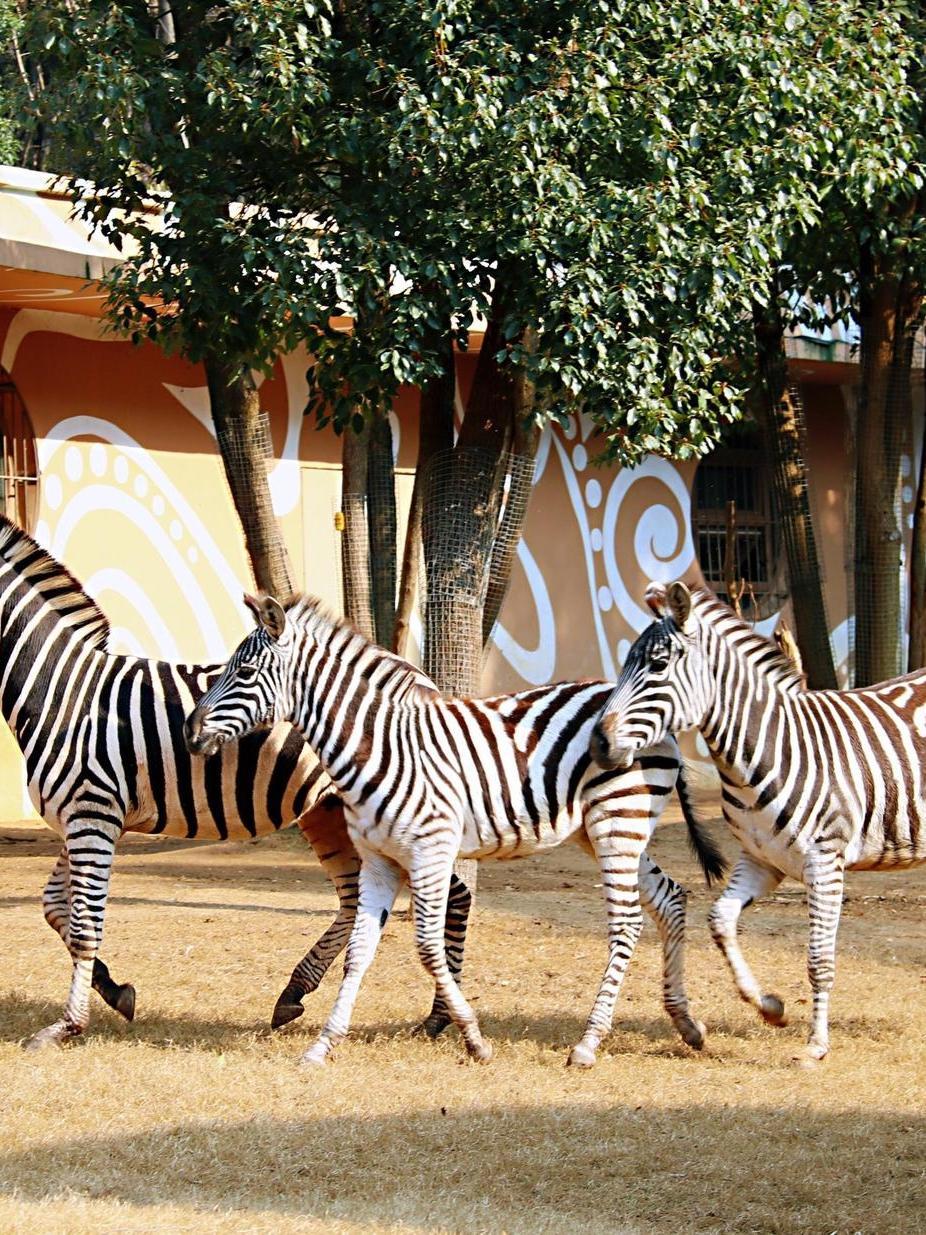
<point x="195" y="1119"/>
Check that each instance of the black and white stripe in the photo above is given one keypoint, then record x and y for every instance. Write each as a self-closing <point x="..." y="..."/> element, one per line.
<point x="814" y="782"/>
<point x="103" y="742"/>
<point x="425" y="780"/>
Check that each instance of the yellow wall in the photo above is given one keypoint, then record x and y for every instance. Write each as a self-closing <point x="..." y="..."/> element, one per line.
<point x="133" y="499"/>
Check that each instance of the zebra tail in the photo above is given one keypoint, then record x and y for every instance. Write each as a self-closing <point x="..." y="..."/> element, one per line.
<point x="702" y="844"/>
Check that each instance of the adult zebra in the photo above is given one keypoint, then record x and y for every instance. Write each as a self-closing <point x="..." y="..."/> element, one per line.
<point x="424" y="779"/>
<point x="814" y="782"/>
<point x="102" y="737"/>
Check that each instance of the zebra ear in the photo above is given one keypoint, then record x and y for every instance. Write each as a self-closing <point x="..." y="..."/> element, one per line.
<point x="656" y="598"/>
<point x="679" y="603"/>
<point x="269" y="613"/>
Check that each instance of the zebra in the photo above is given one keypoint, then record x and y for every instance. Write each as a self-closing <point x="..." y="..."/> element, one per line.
<point x="814" y="782"/>
<point x="102" y="736"/>
<point x="425" y="779"/>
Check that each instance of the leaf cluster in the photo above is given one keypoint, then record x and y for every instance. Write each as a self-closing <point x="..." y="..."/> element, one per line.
<point x="625" y="181"/>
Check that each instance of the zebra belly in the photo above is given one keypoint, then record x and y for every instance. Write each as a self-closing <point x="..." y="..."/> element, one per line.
<point x="501" y="840"/>
<point x="504" y="840"/>
<point x="756" y="834"/>
<point x="874" y="853"/>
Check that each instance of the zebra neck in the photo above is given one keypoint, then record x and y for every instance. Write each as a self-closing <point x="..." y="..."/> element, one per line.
<point x="349" y="707"/>
<point x="748" y="723"/>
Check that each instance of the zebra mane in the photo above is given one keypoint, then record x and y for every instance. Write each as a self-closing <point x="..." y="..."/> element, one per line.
<point x="53" y="582"/>
<point x="753" y="647"/>
<point x="313" y="615"/>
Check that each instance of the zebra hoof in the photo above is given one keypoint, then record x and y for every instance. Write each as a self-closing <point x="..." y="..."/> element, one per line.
<point x="287" y="1008"/>
<point x="582" y="1056"/>
<point x="693" y="1033"/>
<point x="810" y="1057"/>
<point x="315" y="1057"/>
<point x="124" y="1002"/>
<point x="480" y="1051"/>
<point x="52" y="1035"/>
<point x="772" y="1011"/>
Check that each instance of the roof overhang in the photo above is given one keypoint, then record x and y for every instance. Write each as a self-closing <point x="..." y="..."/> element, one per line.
<point x="48" y="257"/>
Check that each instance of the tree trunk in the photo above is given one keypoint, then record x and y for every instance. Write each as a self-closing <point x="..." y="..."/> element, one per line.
<point x="462" y="501"/>
<point x="886" y="310"/>
<point x="243" y="436"/>
<point x="383" y="529"/>
<point x="520" y="475"/>
<point x="355" y="537"/>
<point x="784" y="436"/>
<point x="916" y="658"/>
<point x="435" y="434"/>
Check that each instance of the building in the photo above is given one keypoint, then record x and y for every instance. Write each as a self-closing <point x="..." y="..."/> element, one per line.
<point x="110" y="460"/>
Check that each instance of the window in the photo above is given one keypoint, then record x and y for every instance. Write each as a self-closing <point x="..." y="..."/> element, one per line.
<point x="737" y="472"/>
<point x="19" y="479"/>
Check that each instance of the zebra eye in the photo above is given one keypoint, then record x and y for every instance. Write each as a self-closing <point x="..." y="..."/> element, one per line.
<point x="247" y="673"/>
<point x="659" y="662"/>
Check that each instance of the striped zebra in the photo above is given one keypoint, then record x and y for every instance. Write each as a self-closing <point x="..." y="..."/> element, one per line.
<point x="102" y="737"/>
<point x="425" y="779"/>
<point x="814" y="782"/>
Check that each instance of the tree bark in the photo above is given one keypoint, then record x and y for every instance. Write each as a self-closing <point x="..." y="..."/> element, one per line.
<point x="916" y="657"/>
<point x="435" y="434"/>
<point x="459" y="521"/>
<point x="243" y="436"/>
<point x="783" y="434"/>
<point x="355" y="537"/>
<point x="520" y="472"/>
<point x="383" y="529"/>
<point x="886" y="310"/>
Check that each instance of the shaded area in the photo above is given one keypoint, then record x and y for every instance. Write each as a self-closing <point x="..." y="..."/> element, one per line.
<point x="514" y="1167"/>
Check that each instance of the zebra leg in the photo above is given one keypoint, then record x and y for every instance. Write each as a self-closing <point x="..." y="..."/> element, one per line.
<point x="56" y="902"/>
<point x="380" y="881"/>
<point x="618" y="842"/>
<point x="90" y="845"/>
<point x="749" y="882"/>
<point x="325" y="830"/>
<point x="459" y="902"/>
<point x="825" y="879"/>
<point x="665" y="901"/>
<point x="430" y="888"/>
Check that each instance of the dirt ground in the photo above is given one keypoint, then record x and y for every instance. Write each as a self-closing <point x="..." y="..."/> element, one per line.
<point x="196" y="1118"/>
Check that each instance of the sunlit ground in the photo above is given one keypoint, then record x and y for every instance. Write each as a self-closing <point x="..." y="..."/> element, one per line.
<point x="195" y="1118"/>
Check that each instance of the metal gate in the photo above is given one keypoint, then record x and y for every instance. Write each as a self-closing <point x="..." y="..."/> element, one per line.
<point x="19" y="481"/>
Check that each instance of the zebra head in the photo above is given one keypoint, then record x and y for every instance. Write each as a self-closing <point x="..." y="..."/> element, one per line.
<point x="254" y="689"/>
<point x="662" y="687"/>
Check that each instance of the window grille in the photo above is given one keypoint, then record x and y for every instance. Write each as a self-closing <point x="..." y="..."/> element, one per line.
<point x="737" y="473"/>
<point x="19" y="479"/>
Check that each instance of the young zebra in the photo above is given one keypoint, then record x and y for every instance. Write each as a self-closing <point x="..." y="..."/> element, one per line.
<point x="424" y="779"/>
<point x="815" y="782"/>
<point x="102" y="737"/>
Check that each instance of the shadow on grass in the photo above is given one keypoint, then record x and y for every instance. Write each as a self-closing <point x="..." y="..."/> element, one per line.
<point x="21" y="1016"/>
<point x="517" y="1167"/>
<point x="172" y="903"/>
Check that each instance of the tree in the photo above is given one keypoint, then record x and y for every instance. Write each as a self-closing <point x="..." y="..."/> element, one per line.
<point x="218" y="275"/>
<point x="767" y="113"/>
<point x="610" y="189"/>
<point x="872" y="268"/>
<point x="783" y="435"/>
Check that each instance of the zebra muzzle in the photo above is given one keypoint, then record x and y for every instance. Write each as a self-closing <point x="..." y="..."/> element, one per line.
<point x="197" y="741"/>
<point x="609" y="753"/>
